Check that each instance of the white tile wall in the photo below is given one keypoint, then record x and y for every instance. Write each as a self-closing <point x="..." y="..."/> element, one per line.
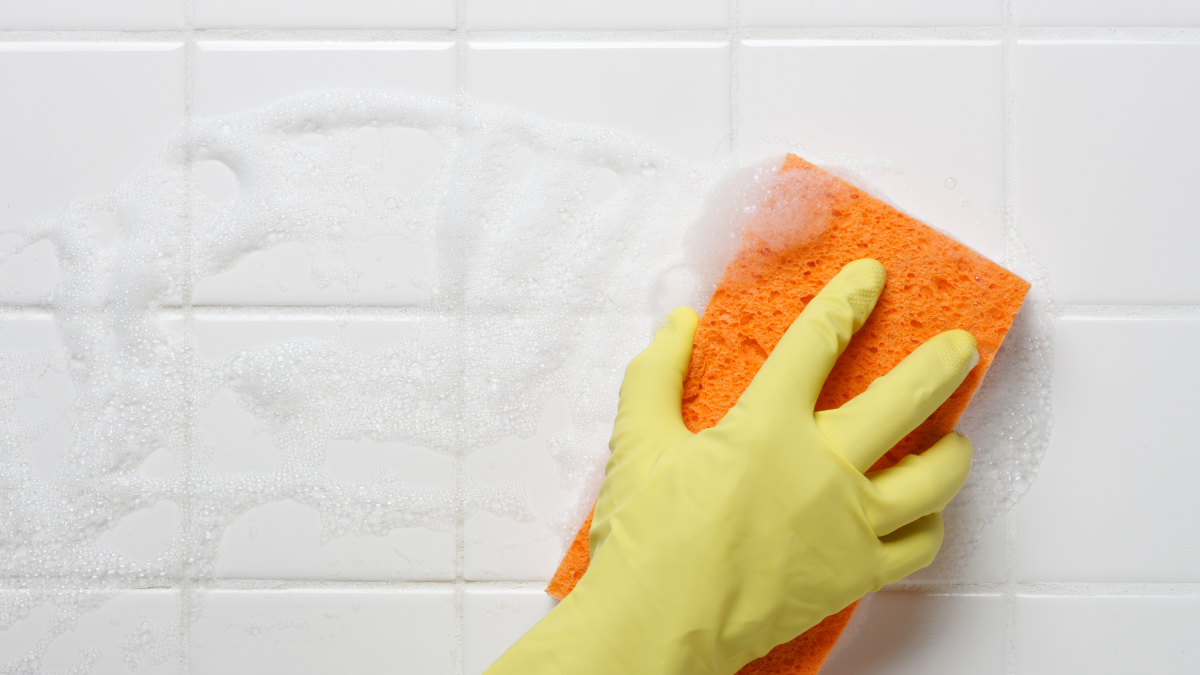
<point x="112" y="105"/>
<point x="791" y="13"/>
<point x="1107" y="635"/>
<point x="1106" y="13"/>
<point x="132" y="631"/>
<point x="140" y="15"/>
<point x="928" y="116"/>
<point x="1104" y="147"/>
<point x="323" y="631"/>
<point x="493" y="619"/>
<point x="231" y="76"/>
<point x="923" y="634"/>
<point x="674" y="94"/>
<point x="1073" y="120"/>
<point x="500" y="548"/>
<point x="1122" y="387"/>
<point x="581" y="14"/>
<point x="363" y="14"/>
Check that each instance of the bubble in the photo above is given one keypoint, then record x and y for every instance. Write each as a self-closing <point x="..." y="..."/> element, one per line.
<point x="951" y="182"/>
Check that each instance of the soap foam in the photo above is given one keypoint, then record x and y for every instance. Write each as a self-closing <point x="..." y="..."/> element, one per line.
<point x="549" y="253"/>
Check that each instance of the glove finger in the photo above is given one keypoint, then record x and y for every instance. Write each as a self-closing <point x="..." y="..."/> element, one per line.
<point x="649" y="413"/>
<point x="911" y="548"/>
<point x="918" y="486"/>
<point x="652" y="390"/>
<point x="796" y="369"/>
<point x="871" y="423"/>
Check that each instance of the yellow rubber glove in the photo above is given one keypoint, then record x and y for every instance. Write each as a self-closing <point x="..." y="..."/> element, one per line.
<point x="709" y="549"/>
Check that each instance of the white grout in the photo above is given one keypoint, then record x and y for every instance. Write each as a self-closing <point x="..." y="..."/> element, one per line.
<point x="187" y="587"/>
<point x="1010" y="537"/>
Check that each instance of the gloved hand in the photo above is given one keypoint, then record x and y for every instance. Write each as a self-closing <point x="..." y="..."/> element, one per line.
<point x="709" y="549"/>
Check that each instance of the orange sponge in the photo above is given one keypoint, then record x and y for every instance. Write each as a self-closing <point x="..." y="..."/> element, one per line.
<point x="810" y="226"/>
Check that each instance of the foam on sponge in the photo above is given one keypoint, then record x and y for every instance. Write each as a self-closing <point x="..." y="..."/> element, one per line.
<point x="810" y="226"/>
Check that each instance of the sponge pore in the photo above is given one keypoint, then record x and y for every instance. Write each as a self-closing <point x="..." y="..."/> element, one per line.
<point x="810" y="226"/>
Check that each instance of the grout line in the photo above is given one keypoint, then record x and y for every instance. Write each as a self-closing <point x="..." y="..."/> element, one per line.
<point x="270" y="312"/>
<point x="460" y="462"/>
<point x="735" y="47"/>
<point x="187" y="587"/>
<point x="1072" y="589"/>
<point x="461" y="35"/>
<point x="1010" y="542"/>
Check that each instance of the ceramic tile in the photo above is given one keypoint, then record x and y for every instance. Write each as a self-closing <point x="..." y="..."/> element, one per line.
<point x="315" y="14"/>
<point x="1165" y="13"/>
<point x="581" y="15"/>
<point x="220" y="336"/>
<point x="89" y="114"/>
<point x="126" y="15"/>
<point x="1106" y="635"/>
<point x="321" y="632"/>
<point x="47" y="395"/>
<point x="235" y="76"/>
<point x="791" y="13"/>
<point x="674" y="94"/>
<point x="923" y="120"/>
<point x="494" y="619"/>
<point x="1115" y="500"/>
<point x="922" y="634"/>
<point x="1104" y="143"/>
<point x="113" y="632"/>
<point x="282" y="276"/>
<point x="505" y="548"/>
<point x="280" y="540"/>
<point x="136" y="631"/>
<point x="144" y="534"/>
<point x="989" y="565"/>
<point x="29" y="271"/>
<point x="232" y="440"/>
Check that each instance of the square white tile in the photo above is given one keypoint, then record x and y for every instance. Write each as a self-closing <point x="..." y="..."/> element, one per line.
<point x="1106" y="13"/>
<point x="922" y="634"/>
<point x="30" y="271"/>
<point x="676" y="95"/>
<point x="792" y="13"/>
<point x="97" y="632"/>
<point x="237" y="75"/>
<point x="504" y="548"/>
<point x="582" y="15"/>
<point x="281" y="539"/>
<point x="136" y="631"/>
<point x="1105" y="140"/>
<point x="125" y="15"/>
<point x="1106" y="635"/>
<point x="283" y="276"/>
<point x="89" y="114"/>
<point x="925" y="119"/>
<point x="1114" y="500"/>
<point x="145" y="534"/>
<point x="322" y="632"/>
<point x="219" y="336"/>
<point x="494" y="619"/>
<point x="365" y="14"/>
<point x="43" y="394"/>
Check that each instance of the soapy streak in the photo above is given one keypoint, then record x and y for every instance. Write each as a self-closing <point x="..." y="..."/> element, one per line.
<point x="531" y="291"/>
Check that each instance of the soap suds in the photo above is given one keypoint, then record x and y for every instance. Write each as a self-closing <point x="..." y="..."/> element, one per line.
<point x="547" y="254"/>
